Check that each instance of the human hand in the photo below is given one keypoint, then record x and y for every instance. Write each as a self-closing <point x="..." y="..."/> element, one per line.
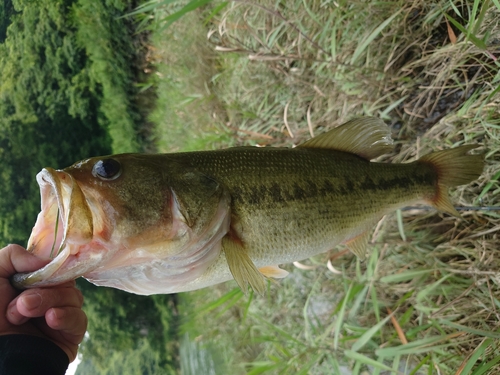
<point x="53" y="313"/>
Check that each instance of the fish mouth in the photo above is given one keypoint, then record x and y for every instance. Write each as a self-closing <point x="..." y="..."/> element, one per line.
<point x="63" y="226"/>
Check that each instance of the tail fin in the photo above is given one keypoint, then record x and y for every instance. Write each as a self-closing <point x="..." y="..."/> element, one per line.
<point x="454" y="167"/>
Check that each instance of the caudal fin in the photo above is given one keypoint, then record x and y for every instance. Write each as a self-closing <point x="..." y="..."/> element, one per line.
<point x="454" y="167"/>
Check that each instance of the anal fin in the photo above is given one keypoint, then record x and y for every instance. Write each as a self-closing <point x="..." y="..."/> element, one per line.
<point x="273" y="271"/>
<point x="358" y="244"/>
<point x="241" y="266"/>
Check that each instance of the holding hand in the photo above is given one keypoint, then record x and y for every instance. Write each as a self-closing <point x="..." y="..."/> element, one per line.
<point x="52" y="313"/>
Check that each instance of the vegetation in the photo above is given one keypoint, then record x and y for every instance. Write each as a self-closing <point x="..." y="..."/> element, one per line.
<point x="67" y="91"/>
<point x="426" y="301"/>
<point x="262" y="73"/>
<point x="128" y="334"/>
<point x="64" y="96"/>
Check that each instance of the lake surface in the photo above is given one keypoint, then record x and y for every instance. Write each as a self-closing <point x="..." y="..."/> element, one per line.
<point x="198" y="357"/>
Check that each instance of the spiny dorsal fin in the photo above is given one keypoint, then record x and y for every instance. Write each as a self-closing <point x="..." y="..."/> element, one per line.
<point x="241" y="266"/>
<point x="358" y="244"/>
<point x="368" y="137"/>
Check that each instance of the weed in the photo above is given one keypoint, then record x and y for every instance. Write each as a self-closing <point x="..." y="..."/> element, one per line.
<point x="427" y="299"/>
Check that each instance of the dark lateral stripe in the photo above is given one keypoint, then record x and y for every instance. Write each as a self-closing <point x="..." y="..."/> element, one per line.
<point x="275" y="193"/>
<point x="399" y="182"/>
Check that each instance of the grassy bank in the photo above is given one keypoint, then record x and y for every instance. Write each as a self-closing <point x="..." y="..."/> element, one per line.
<point x="275" y="75"/>
<point x="188" y="114"/>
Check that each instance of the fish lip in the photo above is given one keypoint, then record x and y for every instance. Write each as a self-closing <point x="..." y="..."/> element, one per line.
<point x="55" y="235"/>
<point x="51" y="193"/>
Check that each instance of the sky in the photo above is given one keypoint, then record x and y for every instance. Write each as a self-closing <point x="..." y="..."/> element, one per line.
<point x="73" y="365"/>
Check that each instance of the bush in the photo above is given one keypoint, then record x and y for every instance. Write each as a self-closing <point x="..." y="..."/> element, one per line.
<point x="66" y="93"/>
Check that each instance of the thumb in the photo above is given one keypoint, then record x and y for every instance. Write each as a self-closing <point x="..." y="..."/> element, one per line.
<point x="14" y="259"/>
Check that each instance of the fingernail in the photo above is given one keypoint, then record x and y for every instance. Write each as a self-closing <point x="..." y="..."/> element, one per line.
<point x="14" y="317"/>
<point x="58" y="313"/>
<point x="31" y="301"/>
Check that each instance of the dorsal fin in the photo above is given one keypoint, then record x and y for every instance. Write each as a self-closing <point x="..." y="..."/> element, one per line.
<point x="368" y="137"/>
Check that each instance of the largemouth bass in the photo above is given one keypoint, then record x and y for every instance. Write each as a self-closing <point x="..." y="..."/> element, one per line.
<point x="176" y="222"/>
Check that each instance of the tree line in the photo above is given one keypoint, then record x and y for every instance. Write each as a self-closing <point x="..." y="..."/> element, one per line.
<point x="68" y="74"/>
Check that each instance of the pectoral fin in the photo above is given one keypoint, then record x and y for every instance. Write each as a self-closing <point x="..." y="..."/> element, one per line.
<point x="241" y="266"/>
<point x="358" y="244"/>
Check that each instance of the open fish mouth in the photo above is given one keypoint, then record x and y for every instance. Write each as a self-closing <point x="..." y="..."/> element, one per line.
<point x="62" y="227"/>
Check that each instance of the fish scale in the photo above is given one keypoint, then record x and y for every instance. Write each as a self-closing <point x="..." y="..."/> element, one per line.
<point x="291" y="204"/>
<point x="169" y="223"/>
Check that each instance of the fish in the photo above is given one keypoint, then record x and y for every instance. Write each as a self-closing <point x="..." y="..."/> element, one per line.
<point x="176" y="222"/>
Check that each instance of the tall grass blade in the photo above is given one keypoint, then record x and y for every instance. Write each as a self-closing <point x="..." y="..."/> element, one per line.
<point x="262" y="367"/>
<point x="486" y="367"/>
<point x="475" y="40"/>
<point x="487" y="187"/>
<point x="429" y="289"/>
<point x="278" y="330"/>
<point x="420" y="364"/>
<point x="477" y="332"/>
<point x="340" y="318"/>
<point x="375" y="303"/>
<point x="367" y="336"/>
<point x="399" y="218"/>
<point x="405" y="276"/>
<point x="375" y="33"/>
<point x="482" y="13"/>
<point x="418" y="346"/>
<point x="478" y="352"/>
<point x="306" y="369"/>
<point x="215" y="11"/>
<point x="234" y="294"/>
<point x="247" y="305"/>
<point x="360" y="358"/>
<point x="189" y="7"/>
<point x="356" y="306"/>
<point x="148" y="7"/>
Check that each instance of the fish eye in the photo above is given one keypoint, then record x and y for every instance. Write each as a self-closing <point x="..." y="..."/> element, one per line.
<point x="107" y="169"/>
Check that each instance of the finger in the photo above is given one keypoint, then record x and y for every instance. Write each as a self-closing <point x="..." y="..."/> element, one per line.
<point x="36" y="302"/>
<point x="70" y="321"/>
<point x="15" y="317"/>
<point x="14" y="258"/>
<point x="66" y="326"/>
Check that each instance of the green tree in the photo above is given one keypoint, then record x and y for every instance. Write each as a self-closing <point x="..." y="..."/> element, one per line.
<point x="64" y="87"/>
<point x="6" y="12"/>
<point x="128" y="332"/>
<point x="67" y="93"/>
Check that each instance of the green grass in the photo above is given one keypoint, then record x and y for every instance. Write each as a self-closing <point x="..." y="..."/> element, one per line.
<point x="276" y="74"/>
<point x="188" y="115"/>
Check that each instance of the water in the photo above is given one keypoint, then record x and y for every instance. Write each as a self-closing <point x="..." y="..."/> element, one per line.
<point x="200" y="358"/>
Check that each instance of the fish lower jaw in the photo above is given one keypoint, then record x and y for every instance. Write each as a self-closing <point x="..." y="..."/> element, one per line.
<point x="43" y="276"/>
<point x="72" y="261"/>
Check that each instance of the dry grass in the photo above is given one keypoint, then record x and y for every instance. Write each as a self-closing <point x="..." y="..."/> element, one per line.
<point x="392" y="59"/>
<point x="286" y="72"/>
